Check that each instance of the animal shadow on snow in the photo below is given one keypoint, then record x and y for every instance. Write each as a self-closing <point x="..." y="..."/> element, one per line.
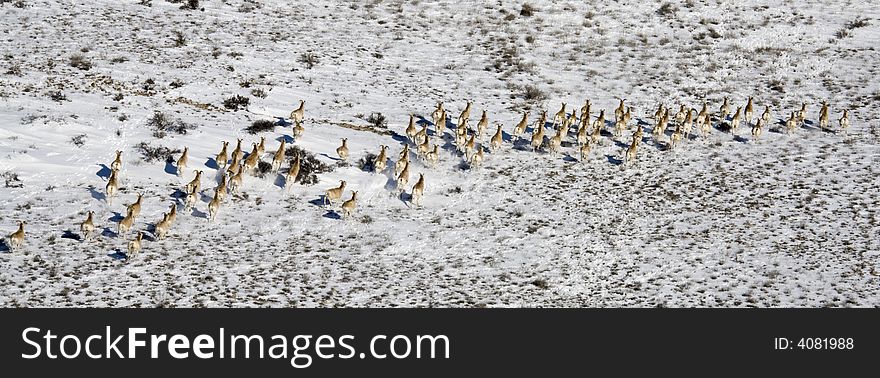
<point x="4" y="247"/>
<point x="170" y="168"/>
<point x="107" y="232"/>
<point x="118" y="255"/>
<point x="116" y="218"/>
<point x="318" y="201"/>
<point x="281" y="121"/>
<point x="71" y="235"/>
<point x="199" y="214"/>
<point x="280" y="180"/>
<point x="740" y="139"/>
<point x="104" y="172"/>
<point x="613" y="160"/>
<point x="212" y="163"/>
<point x="332" y="214"/>
<point x="100" y="196"/>
<point x="286" y="138"/>
<point x="570" y="159"/>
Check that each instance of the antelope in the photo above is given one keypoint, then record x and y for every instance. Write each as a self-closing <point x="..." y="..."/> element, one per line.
<point x="704" y="115"/>
<point x="631" y="152"/>
<point x="560" y="116"/>
<point x="261" y="148"/>
<point x="844" y="120"/>
<point x="585" y="151"/>
<point x="292" y="172"/>
<point x="237" y="153"/>
<point x="749" y="111"/>
<point x="403" y="178"/>
<point x="620" y="111"/>
<point x="405" y="151"/>
<point x="222" y="157"/>
<point x="688" y="123"/>
<point x="571" y="121"/>
<point x="214" y="207"/>
<point x="756" y="130"/>
<point x="466" y="113"/>
<point x="542" y="121"/>
<point x="461" y="137"/>
<point x="628" y="115"/>
<point x="599" y="123"/>
<point x="792" y="123"/>
<point x="582" y="134"/>
<point x="433" y="157"/>
<point x="418" y="191"/>
<point x="278" y="158"/>
<point x="766" y="115"/>
<point x="440" y="125"/>
<point x="482" y="124"/>
<point x="596" y="135"/>
<point x="334" y="194"/>
<point x="802" y="114"/>
<point x="555" y="142"/>
<point x="134" y="246"/>
<point x="342" y="150"/>
<point x="163" y="226"/>
<point x="637" y="136"/>
<point x="298" y="131"/>
<point x="735" y="121"/>
<point x="220" y="190"/>
<point x="112" y="187"/>
<point x="191" y="198"/>
<point x="235" y="182"/>
<point x="676" y="137"/>
<point x="117" y="163"/>
<point x="477" y="158"/>
<point x="172" y="213"/>
<point x="88" y="227"/>
<point x="725" y="109"/>
<point x="823" y="116"/>
<point x="297" y="115"/>
<point x="421" y="135"/>
<point x="411" y="130"/>
<point x="234" y="167"/>
<point x="495" y="141"/>
<point x="181" y="162"/>
<point x="349" y="205"/>
<point x="16" y="239"/>
<point x="195" y="184"/>
<point x="659" y="113"/>
<point x="537" y="138"/>
<point x="135" y="208"/>
<point x="125" y="224"/>
<point x="706" y="126"/>
<point x="520" y="127"/>
<point x="619" y="127"/>
<point x="252" y="160"/>
<point x="681" y="115"/>
<point x="401" y="163"/>
<point x="381" y="161"/>
<point x="660" y="125"/>
<point x="469" y="146"/>
<point x="435" y="115"/>
<point x="424" y="148"/>
<point x="585" y="113"/>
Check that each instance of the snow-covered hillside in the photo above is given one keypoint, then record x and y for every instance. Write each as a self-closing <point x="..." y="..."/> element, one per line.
<point x="717" y="221"/>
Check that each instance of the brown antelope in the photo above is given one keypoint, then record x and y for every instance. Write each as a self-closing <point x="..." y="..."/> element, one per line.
<point x="342" y="150"/>
<point x="135" y="208"/>
<point x="162" y="227"/>
<point x="418" y="191"/>
<point x="631" y="153"/>
<point x="381" y="160"/>
<point x="404" y="151"/>
<point x="469" y="146"/>
<point x="520" y="127"/>
<point x="220" y="190"/>
<point x="659" y="113"/>
<point x="334" y="194"/>
<point x="844" y="120"/>
<point x="297" y="115"/>
<point x="195" y="184"/>
<point x="477" y="158"/>
<point x="191" y="198"/>
<point x="706" y="126"/>
<point x="172" y="213"/>
<point x="681" y="115"/>
<point x="766" y="115"/>
<point x="596" y="135"/>
<point x="252" y="160"/>
<point x="660" y="124"/>
<point x="560" y="116"/>
<point x="582" y="134"/>
<point x="411" y="129"/>
<point x="401" y="164"/>
<point x="134" y="246"/>
<point x="112" y="187"/>
<point x="570" y="122"/>
<point x="117" y="163"/>
<point x="585" y="151"/>
<point x="236" y="181"/>
<point x="792" y="123"/>
<point x="735" y="121"/>
<point x="433" y="157"/>
<point x="125" y="224"/>
<point x="724" y="110"/>
<point x="482" y="124"/>
<point x="278" y="158"/>
<point x="87" y="228"/>
<point x="802" y="114"/>
<point x="823" y="116"/>
<point x="440" y="125"/>
<point x="214" y="207"/>
<point x="704" y="114"/>
<point x="466" y="113"/>
<point x="233" y="167"/>
<point x="585" y="113"/>
<point x="688" y="123"/>
<point x="495" y="141"/>
<point x="749" y="111"/>
<point x="349" y="205"/>
<point x="555" y="142"/>
<point x="292" y="173"/>
<point x="261" y="147"/>
<point x="424" y="148"/>
<point x="627" y="117"/>
<point x="435" y="115"/>
<point x="222" y="157"/>
<point x="676" y="136"/>
<point x="537" y="138"/>
<point x="619" y="127"/>
<point x="637" y="136"/>
<point x="756" y="130"/>
<point x="181" y="162"/>
<point x="620" y="111"/>
<point x="16" y="239"/>
<point x="237" y="153"/>
<point x="403" y="178"/>
<point x="599" y="123"/>
<point x="421" y="136"/>
<point x="298" y="131"/>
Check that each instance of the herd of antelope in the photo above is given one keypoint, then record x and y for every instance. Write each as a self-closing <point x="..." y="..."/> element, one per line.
<point x="468" y="142"/>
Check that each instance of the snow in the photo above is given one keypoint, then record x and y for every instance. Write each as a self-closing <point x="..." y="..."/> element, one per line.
<point x="790" y="221"/>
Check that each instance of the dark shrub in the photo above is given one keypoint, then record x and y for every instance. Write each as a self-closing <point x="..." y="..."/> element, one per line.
<point x="367" y="163"/>
<point x="260" y="126"/>
<point x="163" y="124"/>
<point x="151" y="154"/>
<point x="310" y="167"/>
<point x="236" y="102"/>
